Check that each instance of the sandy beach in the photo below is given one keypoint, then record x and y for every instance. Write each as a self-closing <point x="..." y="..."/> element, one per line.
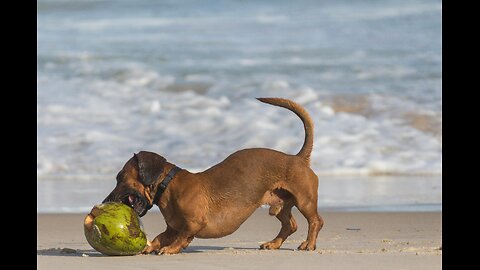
<point x="349" y="240"/>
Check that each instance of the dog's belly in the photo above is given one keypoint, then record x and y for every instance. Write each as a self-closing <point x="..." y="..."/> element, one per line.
<point x="226" y="216"/>
<point x="225" y="222"/>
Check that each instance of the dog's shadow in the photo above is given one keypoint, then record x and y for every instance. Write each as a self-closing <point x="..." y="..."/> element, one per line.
<point x="206" y="249"/>
<point x="68" y="252"/>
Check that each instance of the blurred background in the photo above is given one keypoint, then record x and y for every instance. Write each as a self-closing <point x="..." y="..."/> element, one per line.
<point x="180" y="78"/>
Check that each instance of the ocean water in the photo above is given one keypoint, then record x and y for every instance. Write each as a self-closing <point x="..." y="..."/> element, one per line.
<point x="180" y="78"/>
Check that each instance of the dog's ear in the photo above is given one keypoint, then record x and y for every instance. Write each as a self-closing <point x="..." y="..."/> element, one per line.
<point x="150" y="166"/>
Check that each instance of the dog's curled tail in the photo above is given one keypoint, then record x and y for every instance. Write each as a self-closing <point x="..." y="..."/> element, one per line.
<point x="304" y="116"/>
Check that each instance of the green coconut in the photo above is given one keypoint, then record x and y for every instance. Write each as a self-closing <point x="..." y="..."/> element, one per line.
<point x="115" y="229"/>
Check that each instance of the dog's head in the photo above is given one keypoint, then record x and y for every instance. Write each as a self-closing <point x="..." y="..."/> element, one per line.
<point x="135" y="179"/>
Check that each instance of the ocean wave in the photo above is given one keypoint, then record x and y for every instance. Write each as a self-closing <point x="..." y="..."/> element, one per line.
<point x="353" y="134"/>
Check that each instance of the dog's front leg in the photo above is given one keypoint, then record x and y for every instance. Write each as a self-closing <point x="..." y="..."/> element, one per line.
<point x="178" y="244"/>
<point x="163" y="239"/>
<point x="183" y="238"/>
<point x="171" y="241"/>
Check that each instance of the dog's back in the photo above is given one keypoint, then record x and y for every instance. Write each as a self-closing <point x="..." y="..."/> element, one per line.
<point x="261" y="169"/>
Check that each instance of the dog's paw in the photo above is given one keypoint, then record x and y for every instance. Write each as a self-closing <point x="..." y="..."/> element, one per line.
<point x="306" y="246"/>
<point x="168" y="250"/>
<point x="150" y="248"/>
<point x="271" y="245"/>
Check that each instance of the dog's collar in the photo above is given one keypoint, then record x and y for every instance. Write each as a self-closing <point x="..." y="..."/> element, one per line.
<point x="164" y="183"/>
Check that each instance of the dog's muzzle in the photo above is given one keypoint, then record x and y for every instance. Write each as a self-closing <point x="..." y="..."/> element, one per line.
<point x="137" y="202"/>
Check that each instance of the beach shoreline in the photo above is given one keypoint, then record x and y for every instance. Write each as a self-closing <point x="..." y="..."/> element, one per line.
<point x="335" y="193"/>
<point x="360" y="240"/>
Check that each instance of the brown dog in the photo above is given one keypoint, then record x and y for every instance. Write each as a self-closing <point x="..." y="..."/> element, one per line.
<point x="214" y="203"/>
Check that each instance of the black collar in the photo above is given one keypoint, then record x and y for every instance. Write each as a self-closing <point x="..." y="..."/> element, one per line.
<point x="164" y="183"/>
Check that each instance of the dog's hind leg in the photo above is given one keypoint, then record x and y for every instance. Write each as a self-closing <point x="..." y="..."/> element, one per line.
<point x="305" y="193"/>
<point x="308" y="208"/>
<point x="289" y="226"/>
